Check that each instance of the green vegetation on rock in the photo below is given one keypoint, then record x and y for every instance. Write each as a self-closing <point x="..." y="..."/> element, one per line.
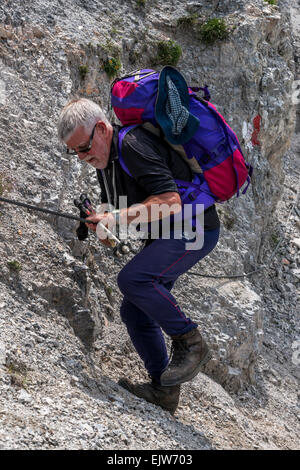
<point x="112" y="48"/>
<point x="188" y="21"/>
<point x="14" y="265"/>
<point x="112" y="66"/>
<point x="18" y="374"/>
<point x="213" y="30"/>
<point x="168" y="52"/>
<point x="274" y="238"/>
<point x="83" y="70"/>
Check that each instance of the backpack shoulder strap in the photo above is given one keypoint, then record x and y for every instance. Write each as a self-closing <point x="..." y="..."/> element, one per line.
<point x="122" y="134"/>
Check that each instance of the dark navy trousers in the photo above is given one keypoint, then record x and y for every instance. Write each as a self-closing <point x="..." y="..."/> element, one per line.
<point x="148" y="306"/>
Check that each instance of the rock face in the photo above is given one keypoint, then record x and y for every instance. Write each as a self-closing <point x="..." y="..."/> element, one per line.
<point x="59" y="300"/>
<point x="295" y="18"/>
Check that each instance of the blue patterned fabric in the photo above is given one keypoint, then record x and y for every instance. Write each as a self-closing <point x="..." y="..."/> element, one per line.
<point x="172" y="108"/>
<point x="176" y="112"/>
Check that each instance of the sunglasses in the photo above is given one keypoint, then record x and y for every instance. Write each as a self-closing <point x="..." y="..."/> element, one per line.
<point x="83" y="149"/>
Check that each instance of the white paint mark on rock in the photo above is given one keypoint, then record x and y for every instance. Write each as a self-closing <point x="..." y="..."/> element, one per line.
<point x="247" y="130"/>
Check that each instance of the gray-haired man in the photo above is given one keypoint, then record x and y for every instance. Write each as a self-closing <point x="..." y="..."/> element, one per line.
<point x="148" y="307"/>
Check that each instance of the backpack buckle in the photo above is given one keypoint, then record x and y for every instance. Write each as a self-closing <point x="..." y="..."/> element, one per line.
<point x="193" y="195"/>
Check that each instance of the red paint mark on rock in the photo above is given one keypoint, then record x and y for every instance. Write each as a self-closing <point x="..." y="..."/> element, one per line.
<point x="256" y="126"/>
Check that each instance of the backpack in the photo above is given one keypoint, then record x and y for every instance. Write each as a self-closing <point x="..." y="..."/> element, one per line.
<point x="163" y="103"/>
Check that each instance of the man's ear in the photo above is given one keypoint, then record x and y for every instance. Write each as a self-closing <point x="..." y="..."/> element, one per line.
<point x="101" y="127"/>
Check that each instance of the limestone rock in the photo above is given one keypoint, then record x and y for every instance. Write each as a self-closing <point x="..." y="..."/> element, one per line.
<point x="59" y="337"/>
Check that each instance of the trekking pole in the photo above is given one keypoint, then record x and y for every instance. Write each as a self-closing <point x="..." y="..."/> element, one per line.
<point x="118" y="246"/>
<point x="40" y="209"/>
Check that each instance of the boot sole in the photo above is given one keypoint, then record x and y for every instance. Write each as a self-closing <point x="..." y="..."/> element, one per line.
<point x="167" y="383"/>
<point x="124" y="384"/>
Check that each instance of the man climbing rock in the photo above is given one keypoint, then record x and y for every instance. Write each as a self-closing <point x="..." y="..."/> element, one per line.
<point x="148" y="308"/>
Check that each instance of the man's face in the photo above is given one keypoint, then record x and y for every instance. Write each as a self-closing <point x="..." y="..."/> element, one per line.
<point x="98" y="141"/>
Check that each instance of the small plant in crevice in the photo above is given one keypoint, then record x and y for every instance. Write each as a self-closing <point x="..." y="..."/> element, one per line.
<point x="228" y="221"/>
<point x="271" y="2"/>
<point x="274" y="238"/>
<point x="112" y="66"/>
<point x="18" y="374"/>
<point x="213" y="30"/>
<point x="83" y="71"/>
<point x="109" y="295"/>
<point x="141" y="3"/>
<point x="14" y="266"/>
<point x="186" y="22"/>
<point x="111" y="47"/>
<point x="168" y="53"/>
<point x="133" y="57"/>
<point x="115" y="31"/>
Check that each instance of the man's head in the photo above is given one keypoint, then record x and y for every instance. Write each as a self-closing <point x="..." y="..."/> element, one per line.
<point x="83" y="127"/>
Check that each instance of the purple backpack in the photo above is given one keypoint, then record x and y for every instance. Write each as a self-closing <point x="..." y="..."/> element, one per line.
<point x="191" y="125"/>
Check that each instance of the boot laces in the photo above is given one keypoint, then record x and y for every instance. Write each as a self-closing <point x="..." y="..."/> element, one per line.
<point x="179" y="349"/>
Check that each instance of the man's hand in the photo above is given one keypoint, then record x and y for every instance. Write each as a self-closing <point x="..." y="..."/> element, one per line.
<point x="93" y="219"/>
<point x="163" y="204"/>
<point x="107" y="220"/>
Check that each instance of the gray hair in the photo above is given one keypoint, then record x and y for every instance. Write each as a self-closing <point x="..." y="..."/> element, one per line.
<point x="77" y="113"/>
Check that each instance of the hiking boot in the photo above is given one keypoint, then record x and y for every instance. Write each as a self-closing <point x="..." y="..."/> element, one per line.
<point x="165" y="397"/>
<point x="189" y="353"/>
